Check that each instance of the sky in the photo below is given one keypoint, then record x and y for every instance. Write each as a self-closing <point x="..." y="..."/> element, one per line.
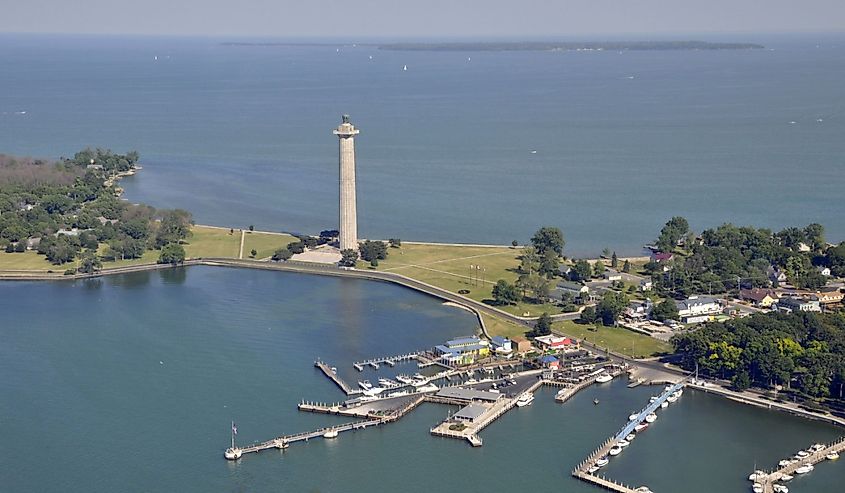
<point x="419" y="18"/>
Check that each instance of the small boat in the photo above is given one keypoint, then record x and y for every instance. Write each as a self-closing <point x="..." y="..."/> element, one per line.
<point x="758" y="474"/>
<point x="630" y="437"/>
<point x="330" y="434"/>
<point x="404" y="379"/>
<point x="428" y="388"/>
<point x="816" y="447"/>
<point x="651" y="418"/>
<point x="671" y="399"/>
<point x="786" y="477"/>
<point x="418" y="375"/>
<point x="633" y="417"/>
<point x="602" y="462"/>
<point x="623" y="443"/>
<point x="640" y="427"/>
<point x="386" y="382"/>
<point x="374" y="391"/>
<point x="366" y="385"/>
<point x="595" y="402"/>
<point x="664" y="404"/>
<point x="334" y="369"/>
<point x="652" y="399"/>
<point x="604" y="378"/>
<point x="757" y="488"/>
<point x="832" y="456"/>
<point x="405" y="68"/>
<point x="593" y="469"/>
<point x="804" y="469"/>
<point x="232" y="453"/>
<point x="802" y="454"/>
<point x="779" y="488"/>
<point x="784" y="463"/>
<point x="525" y="399"/>
<point x="643" y="489"/>
<point x="533" y="151"/>
<point x="282" y="444"/>
<point x="614" y="451"/>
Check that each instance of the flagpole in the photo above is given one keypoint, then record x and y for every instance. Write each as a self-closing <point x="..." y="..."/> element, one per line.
<point x="233" y="435"/>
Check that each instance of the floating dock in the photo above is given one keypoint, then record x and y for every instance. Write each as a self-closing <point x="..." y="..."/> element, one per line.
<point x="391" y="361"/>
<point x="768" y="482"/>
<point x="333" y="376"/>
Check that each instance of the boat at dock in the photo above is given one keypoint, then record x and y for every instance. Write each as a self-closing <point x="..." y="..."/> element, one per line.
<point x="404" y="379"/>
<point x="832" y="456"/>
<point x="640" y="427"/>
<point x="525" y="399"/>
<point x="651" y="418"/>
<point x="633" y="416"/>
<point x="386" y="382"/>
<point x="804" y="469"/>
<point x="779" y="488"/>
<point x="604" y="378"/>
<point x="561" y="395"/>
<point x="757" y="488"/>
<point x="330" y="434"/>
<point x="603" y="461"/>
<point x="365" y="384"/>
<point x="614" y="451"/>
<point x="758" y="474"/>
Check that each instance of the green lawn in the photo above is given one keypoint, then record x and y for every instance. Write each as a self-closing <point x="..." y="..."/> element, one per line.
<point x="212" y="242"/>
<point x="499" y="327"/>
<point x="616" y="339"/>
<point x="28" y="261"/>
<point x="265" y="243"/>
<point x="448" y="267"/>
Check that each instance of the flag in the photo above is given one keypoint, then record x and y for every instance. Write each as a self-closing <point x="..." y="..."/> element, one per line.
<point x="234" y="428"/>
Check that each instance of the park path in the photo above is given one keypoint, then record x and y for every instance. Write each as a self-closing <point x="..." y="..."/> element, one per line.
<point x="241" y="251"/>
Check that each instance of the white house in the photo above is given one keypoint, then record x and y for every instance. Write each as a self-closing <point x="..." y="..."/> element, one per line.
<point x="646" y="285"/>
<point x="698" y="309"/>
<point x="791" y="304"/>
<point x="825" y="271"/>
<point x="612" y="275"/>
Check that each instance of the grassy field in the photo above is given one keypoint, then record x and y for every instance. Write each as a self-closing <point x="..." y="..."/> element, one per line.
<point x="499" y="327"/>
<point x="205" y="242"/>
<point x="616" y="339"/>
<point x="265" y="243"/>
<point x="448" y="267"/>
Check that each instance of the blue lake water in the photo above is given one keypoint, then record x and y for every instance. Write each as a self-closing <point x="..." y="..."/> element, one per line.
<point x="241" y="135"/>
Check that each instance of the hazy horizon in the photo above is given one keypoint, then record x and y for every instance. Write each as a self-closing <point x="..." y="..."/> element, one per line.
<point x="469" y="19"/>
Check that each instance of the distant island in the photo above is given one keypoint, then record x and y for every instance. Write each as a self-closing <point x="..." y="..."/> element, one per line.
<point x="570" y="46"/>
<point x="533" y="45"/>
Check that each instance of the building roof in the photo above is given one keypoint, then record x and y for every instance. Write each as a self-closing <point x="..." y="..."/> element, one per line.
<point x="758" y="294"/>
<point x="499" y="340"/>
<point x="694" y="301"/>
<point x="471" y="412"/>
<point x="548" y="359"/>
<point x="661" y="256"/>
<point x="462" y="341"/>
<point x="553" y="340"/>
<point x="572" y="286"/>
<point x="468" y="394"/>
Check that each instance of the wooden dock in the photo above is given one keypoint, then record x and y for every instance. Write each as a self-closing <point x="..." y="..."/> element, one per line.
<point x="814" y="458"/>
<point x="333" y="376"/>
<point x="391" y="361"/>
<point x="284" y="441"/>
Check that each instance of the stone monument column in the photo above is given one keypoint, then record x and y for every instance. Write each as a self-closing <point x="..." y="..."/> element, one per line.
<point x="348" y="227"/>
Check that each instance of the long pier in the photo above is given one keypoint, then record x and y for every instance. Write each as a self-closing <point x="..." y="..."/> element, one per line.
<point x="283" y="441"/>
<point x="386" y="360"/>
<point x="333" y="376"/>
<point x="768" y="481"/>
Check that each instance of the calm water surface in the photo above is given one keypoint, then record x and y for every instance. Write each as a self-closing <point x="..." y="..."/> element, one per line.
<point x="128" y="383"/>
<point x="241" y="135"/>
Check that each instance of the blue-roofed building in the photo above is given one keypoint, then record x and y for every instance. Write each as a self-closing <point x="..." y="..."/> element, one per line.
<point x="550" y="361"/>
<point x="463" y="350"/>
<point x="501" y="345"/>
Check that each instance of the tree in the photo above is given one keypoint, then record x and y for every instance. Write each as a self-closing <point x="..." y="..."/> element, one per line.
<point x="548" y="238"/>
<point x="599" y="268"/>
<point x="665" y="310"/>
<point x="514" y="243"/>
<point x="374" y="263"/>
<point x="348" y="258"/>
<point x="505" y="293"/>
<point x="581" y="271"/>
<point x="549" y="263"/>
<point x="373" y="250"/>
<point x="611" y="306"/>
<point x="671" y="234"/>
<point x="529" y="261"/>
<point x="741" y="381"/>
<point x="89" y="263"/>
<point x="172" y="253"/>
<point x="605" y="253"/>
<point x="543" y="326"/>
<point x="614" y="261"/>
<point x="395" y="242"/>
<point x="252" y="227"/>
<point x="253" y="253"/>
<point x="588" y="315"/>
<point x="626" y="267"/>
<point x="537" y="285"/>
<point x="282" y="254"/>
<point x="296" y="247"/>
<point x="175" y="226"/>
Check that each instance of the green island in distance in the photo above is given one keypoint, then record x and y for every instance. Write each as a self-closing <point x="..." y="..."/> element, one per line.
<point x="534" y="45"/>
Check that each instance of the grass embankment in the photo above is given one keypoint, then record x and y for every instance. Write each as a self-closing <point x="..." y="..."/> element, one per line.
<point x="499" y="327"/>
<point x="204" y="242"/>
<point x="616" y="339"/>
<point x="448" y="267"/>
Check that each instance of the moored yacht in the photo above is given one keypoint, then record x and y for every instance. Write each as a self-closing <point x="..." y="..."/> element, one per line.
<point x="616" y="450"/>
<point x="640" y="427"/>
<point x="603" y="461"/>
<point x="832" y="456"/>
<point x="604" y="378"/>
<point x="330" y="434"/>
<point x="525" y="399"/>
<point x="651" y="418"/>
<point x="365" y="384"/>
<point x="804" y="469"/>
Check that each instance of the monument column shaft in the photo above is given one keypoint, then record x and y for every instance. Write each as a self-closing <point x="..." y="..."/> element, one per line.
<point x="348" y="214"/>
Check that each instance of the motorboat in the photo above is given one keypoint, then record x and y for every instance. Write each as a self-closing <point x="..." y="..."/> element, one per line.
<point x="603" y="461"/>
<point x="671" y="399"/>
<point x="428" y="388"/>
<point x="373" y="391"/>
<point x="651" y="418"/>
<point x="614" y="451"/>
<point x="386" y="382"/>
<point x="525" y="399"/>
<point x="758" y="474"/>
<point x="419" y="376"/>
<point x="365" y="384"/>
<point x="757" y="488"/>
<point x="779" y="488"/>
<point x="802" y="454"/>
<point x="472" y="380"/>
<point x="398" y="394"/>
<point x="419" y="382"/>
<point x="334" y="369"/>
<point x="640" y="427"/>
<point x="604" y="378"/>
<point x="282" y="444"/>
<point x="784" y="463"/>
<point x="643" y="489"/>
<point x="404" y="379"/>
<point x="816" y="447"/>
<point x="330" y="434"/>
<point x="623" y="443"/>
<point x="832" y="456"/>
<point x="786" y="477"/>
<point x="633" y="417"/>
<point x="804" y="469"/>
<point x="664" y="404"/>
<point x="593" y="470"/>
<point x="630" y="437"/>
<point x="561" y="395"/>
<point x="652" y="399"/>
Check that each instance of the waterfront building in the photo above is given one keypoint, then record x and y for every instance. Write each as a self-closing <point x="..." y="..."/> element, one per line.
<point x="697" y="309"/>
<point x="550" y="362"/>
<point x="348" y="224"/>
<point x="463" y="350"/>
<point x="829" y="296"/>
<point x="501" y="345"/>
<point x="468" y="394"/>
<point x="470" y="413"/>
<point x="520" y="344"/>
<point x="556" y="343"/>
